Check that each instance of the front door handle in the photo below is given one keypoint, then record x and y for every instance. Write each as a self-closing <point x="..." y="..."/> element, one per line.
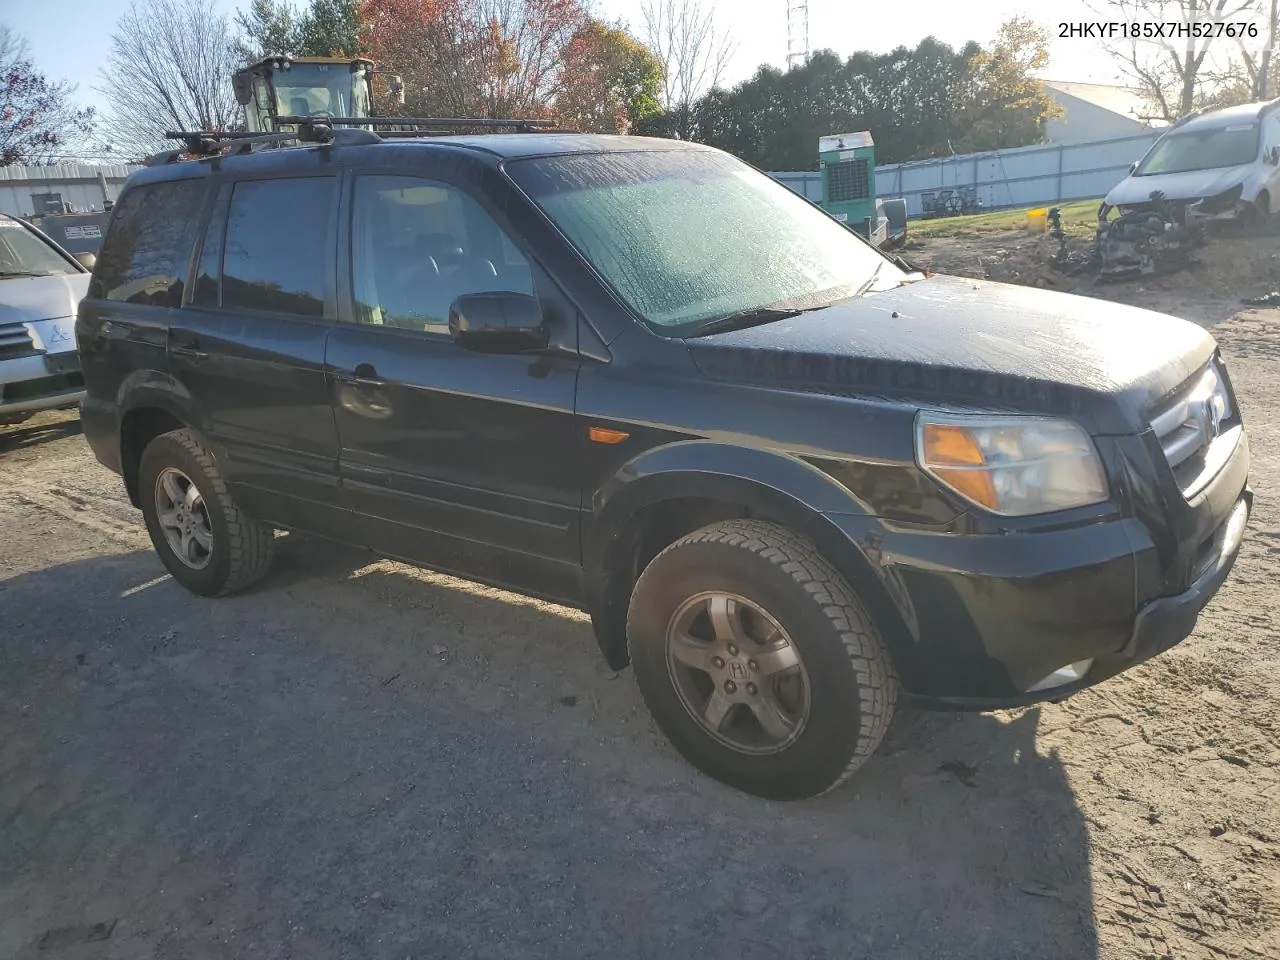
<point x="186" y="345"/>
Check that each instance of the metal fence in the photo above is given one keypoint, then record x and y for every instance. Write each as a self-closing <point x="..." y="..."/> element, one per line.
<point x="1021" y="177"/>
<point x="85" y="188"/>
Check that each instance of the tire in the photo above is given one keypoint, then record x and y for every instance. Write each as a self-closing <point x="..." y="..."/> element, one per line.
<point x="760" y="580"/>
<point x="240" y="549"/>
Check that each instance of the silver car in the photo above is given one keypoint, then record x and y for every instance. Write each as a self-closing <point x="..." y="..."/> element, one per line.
<point x="1217" y="164"/>
<point x="40" y="287"/>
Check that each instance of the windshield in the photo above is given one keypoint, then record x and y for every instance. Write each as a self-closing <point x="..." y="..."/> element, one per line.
<point x="308" y="89"/>
<point x="1202" y="150"/>
<point x="23" y="253"/>
<point x="685" y="236"/>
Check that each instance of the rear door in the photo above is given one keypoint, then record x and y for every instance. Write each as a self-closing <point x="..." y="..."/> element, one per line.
<point x="465" y="461"/>
<point x="249" y="344"/>
<point x="135" y="294"/>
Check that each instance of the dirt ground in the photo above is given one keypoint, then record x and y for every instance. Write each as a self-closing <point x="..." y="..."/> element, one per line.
<point x="361" y="759"/>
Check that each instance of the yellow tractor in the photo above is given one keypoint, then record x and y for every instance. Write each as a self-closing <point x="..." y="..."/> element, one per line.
<point x="275" y="90"/>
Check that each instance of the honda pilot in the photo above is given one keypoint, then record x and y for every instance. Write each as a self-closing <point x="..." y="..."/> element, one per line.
<point x="794" y="482"/>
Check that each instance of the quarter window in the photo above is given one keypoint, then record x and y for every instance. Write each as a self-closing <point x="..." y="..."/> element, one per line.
<point x="277" y="245"/>
<point x="146" y="252"/>
<point x="419" y="244"/>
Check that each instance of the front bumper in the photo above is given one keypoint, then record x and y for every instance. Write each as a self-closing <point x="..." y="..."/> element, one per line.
<point x="981" y="620"/>
<point x="40" y="382"/>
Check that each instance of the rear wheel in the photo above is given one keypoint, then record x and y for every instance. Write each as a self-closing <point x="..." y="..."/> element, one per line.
<point x="203" y="537"/>
<point x="758" y="662"/>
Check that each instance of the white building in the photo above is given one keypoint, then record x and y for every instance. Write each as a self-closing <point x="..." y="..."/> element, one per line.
<point x="48" y="189"/>
<point x="1096" y="111"/>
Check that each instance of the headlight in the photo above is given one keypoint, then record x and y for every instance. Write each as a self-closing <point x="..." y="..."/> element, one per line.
<point x="1013" y="466"/>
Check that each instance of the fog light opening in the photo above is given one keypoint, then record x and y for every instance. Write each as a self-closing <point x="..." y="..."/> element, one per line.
<point x="1064" y="675"/>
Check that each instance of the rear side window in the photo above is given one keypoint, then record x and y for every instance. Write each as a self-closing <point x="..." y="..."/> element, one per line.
<point x="278" y="245"/>
<point x="146" y="251"/>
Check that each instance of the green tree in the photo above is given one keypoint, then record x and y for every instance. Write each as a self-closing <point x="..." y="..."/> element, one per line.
<point x="611" y="81"/>
<point x="324" y="28"/>
<point x="330" y="28"/>
<point x="266" y="28"/>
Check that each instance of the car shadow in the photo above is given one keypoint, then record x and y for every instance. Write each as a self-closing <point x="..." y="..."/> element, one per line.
<point x="367" y="759"/>
<point x="29" y="434"/>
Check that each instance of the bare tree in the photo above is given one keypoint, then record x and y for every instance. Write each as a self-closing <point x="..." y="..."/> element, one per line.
<point x="169" y="68"/>
<point x="38" y="122"/>
<point x="1168" y="71"/>
<point x="694" y="52"/>
<point x="1259" y="68"/>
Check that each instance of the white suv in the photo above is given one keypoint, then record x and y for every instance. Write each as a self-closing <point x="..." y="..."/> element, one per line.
<point x="1216" y="164"/>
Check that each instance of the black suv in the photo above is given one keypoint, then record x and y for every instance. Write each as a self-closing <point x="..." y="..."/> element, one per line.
<point x="792" y="481"/>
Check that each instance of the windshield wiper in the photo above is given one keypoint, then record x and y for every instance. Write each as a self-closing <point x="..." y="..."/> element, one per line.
<point x="22" y="273"/>
<point x="749" y="318"/>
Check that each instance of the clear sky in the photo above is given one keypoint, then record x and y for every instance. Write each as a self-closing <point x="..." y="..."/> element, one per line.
<point x="69" y="38"/>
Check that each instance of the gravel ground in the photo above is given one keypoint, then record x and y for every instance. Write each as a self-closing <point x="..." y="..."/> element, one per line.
<point x="361" y="759"/>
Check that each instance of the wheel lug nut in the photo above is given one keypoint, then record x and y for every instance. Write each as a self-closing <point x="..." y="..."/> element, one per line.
<point x="717" y="662"/>
<point x="730" y="687"/>
<point x="751" y="689"/>
<point x="733" y="651"/>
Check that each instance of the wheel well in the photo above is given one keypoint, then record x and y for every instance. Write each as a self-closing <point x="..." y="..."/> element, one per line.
<point x="659" y="525"/>
<point x="139" y="428"/>
<point x="1263" y="201"/>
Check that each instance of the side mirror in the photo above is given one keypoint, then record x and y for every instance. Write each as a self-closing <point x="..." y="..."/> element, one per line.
<point x="86" y="260"/>
<point x="1133" y="166"/>
<point x="497" y="323"/>
<point x="1273" y="156"/>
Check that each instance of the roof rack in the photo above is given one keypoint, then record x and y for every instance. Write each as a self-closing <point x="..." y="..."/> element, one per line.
<point x="348" y="131"/>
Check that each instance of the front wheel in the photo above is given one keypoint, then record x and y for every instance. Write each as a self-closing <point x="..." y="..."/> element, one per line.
<point x="758" y="662"/>
<point x="203" y="537"/>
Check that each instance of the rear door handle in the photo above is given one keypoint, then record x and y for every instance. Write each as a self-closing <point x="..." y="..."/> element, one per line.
<point x="366" y="376"/>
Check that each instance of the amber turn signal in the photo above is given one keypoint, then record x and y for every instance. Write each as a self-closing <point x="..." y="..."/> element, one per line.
<point x="605" y="435"/>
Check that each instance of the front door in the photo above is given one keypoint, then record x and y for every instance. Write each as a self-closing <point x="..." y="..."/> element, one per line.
<point x="249" y="344"/>
<point x="460" y="460"/>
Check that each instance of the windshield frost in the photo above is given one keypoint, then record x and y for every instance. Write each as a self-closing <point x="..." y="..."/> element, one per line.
<point x="1203" y="150"/>
<point x="687" y="235"/>
<point x="22" y="252"/>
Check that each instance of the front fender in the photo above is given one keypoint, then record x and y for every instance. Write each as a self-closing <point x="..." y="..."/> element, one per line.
<point x="763" y="483"/>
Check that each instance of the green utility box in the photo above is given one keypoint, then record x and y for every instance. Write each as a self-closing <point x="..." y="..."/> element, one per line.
<point x="848" y="165"/>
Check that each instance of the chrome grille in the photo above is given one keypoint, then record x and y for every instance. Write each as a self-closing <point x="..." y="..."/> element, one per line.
<point x="15" y="341"/>
<point x="1188" y="425"/>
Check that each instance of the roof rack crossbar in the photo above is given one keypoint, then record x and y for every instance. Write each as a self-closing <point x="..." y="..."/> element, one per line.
<point x="441" y="122"/>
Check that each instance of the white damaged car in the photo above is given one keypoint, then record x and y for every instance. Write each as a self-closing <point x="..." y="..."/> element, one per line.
<point x="1215" y="164"/>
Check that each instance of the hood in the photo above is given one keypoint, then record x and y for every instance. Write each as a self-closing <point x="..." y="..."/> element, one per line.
<point x="1191" y="185"/>
<point x="31" y="299"/>
<point x="955" y="343"/>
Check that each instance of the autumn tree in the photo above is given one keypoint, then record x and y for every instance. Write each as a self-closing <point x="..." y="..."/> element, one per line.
<point x="38" y="122"/>
<point x="1170" y="73"/>
<point x="693" y="50"/>
<point x="610" y="82"/>
<point x="169" y="67"/>
<point x="487" y="58"/>
<point x="1003" y="102"/>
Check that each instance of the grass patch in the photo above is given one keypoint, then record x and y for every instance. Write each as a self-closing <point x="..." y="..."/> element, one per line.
<point x="1079" y="219"/>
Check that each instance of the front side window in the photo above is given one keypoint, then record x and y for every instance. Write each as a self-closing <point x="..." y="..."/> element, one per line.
<point x="1202" y="150"/>
<point x="24" y="254"/>
<point x="686" y="236"/>
<point x="145" y="253"/>
<point x="417" y="245"/>
<point x="278" y="244"/>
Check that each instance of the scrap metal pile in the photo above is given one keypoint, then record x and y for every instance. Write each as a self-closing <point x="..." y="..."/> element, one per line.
<point x="1150" y="240"/>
